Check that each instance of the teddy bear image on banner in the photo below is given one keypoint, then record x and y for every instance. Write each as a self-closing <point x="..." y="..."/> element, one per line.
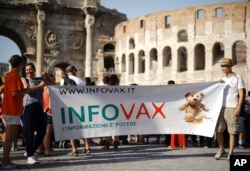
<point x="193" y="107"/>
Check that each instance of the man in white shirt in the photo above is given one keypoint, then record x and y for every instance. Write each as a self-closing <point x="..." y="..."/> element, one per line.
<point x="232" y="102"/>
<point x="71" y="73"/>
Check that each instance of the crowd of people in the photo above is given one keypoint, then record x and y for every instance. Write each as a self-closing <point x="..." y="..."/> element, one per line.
<point x="25" y="104"/>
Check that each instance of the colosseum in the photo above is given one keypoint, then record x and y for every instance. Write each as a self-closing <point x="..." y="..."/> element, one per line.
<point x="183" y="45"/>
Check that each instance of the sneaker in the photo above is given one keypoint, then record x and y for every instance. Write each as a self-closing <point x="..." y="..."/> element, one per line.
<point x="219" y="154"/>
<point x="25" y="154"/>
<point x="241" y="146"/>
<point x="14" y="148"/>
<point x="228" y="157"/>
<point x="73" y="153"/>
<point x="8" y="167"/>
<point x="31" y="160"/>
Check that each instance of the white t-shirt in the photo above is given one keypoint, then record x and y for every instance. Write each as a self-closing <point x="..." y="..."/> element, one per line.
<point x="231" y="94"/>
<point x="77" y="80"/>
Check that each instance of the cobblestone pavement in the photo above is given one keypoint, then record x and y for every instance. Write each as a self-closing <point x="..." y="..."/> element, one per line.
<point x="131" y="157"/>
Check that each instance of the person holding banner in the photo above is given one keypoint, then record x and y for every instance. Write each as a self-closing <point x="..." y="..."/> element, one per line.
<point x="12" y="107"/>
<point x="71" y="74"/>
<point x="114" y="140"/>
<point x="45" y="147"/>
<point x="231" y="107"/>
<point x="177" y="140"/>
<point x="33" y="117"/>
<point x="247" y="122"/>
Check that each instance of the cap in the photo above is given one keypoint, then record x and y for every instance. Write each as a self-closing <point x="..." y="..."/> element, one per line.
<point x="70" y="68"/>
<point x="225" y="61"/>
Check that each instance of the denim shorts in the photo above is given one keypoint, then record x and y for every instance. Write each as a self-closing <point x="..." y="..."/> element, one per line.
<point x="241" y="121"/>
<point x="49" y="120"/>
<point x="12" y="119"/>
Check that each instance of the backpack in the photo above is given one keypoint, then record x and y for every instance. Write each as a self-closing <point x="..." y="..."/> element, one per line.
<point x="68" y="81"/>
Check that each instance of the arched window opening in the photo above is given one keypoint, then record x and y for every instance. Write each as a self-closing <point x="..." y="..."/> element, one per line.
<point x="167" y="57"/>
<point x="182" y="59"/>
<point x="109" y="65"/>
<point x="218" y="52"/>
<point x="141" y="62"/>
<point x="131" y="44"/>
<point x="239" y="53"/>
<point x="108" y="48"/>
<point x="131" y="64"/>
<point x="153" y="59"/>
<point x="123" y="63"/>
<point x="199" y="57"/>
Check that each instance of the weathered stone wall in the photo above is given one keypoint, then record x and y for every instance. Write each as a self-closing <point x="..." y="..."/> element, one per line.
<point x="225" y="35"/>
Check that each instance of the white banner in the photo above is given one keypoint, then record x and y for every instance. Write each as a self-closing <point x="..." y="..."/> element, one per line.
<point x="99" y="111"/>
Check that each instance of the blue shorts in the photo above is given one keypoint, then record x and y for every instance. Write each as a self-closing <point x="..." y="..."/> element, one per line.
<point x="49" y="120"/>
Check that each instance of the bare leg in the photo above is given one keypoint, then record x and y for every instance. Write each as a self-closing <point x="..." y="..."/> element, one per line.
<point x="86" y="142"/>
<point x="231" y="143"/>
<point x="73" y="145"/>
<point x="220" y="139"/>
<point x="46" y="140"/>
<point x="11" y="134"/>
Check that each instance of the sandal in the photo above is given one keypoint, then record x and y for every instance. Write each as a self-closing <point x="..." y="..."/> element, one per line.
<point x="40" y="152"/>
<point x="51" y="153"/>
<point x="73" y="153"/>
<point x="8" y="166"/>
<point x="86" y="151"/>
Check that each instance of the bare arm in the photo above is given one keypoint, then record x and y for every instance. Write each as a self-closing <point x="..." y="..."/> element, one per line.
<point x="240" y="102"/>
<point x="33" y="88"/>
<point x="20" y="92"/>
<point x="27" y="89"/>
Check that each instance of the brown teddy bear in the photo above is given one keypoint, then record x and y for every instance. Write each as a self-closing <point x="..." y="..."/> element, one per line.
<point x="193" y="107"/>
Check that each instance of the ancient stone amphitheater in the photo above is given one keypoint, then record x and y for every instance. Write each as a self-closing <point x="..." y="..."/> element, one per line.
<point x="183" y="44"/>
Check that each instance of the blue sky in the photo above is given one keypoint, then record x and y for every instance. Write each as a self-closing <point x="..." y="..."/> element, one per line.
<point x="132" y="8"/>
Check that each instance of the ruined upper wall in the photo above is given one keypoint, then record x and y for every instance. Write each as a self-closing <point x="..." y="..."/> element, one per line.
<point x="183" y="18"/>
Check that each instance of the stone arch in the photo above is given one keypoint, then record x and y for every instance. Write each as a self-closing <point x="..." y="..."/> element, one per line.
<point x="123" y="63"/>
<point x="20" y="42"/>
<point x="109" y="48"/>
<point x="109" y="64"/>
<point x="153" y="58"/>
<point x="182" y="59"/>
<point x="199" y="57"/>
<point x="131" y="63"/>
<point x="239" y="52"/>
<point x="218" y="52"/>
<point x="167" y="56"/>
<point x="16" y="38"/>
<point x="58" y="68"/>
<point x="182" y="36"/>
<point x="141" y="62"/>
<point x="131" y="43"/>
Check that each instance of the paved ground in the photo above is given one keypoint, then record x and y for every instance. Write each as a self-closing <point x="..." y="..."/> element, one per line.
<point x="150" y="157"/>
